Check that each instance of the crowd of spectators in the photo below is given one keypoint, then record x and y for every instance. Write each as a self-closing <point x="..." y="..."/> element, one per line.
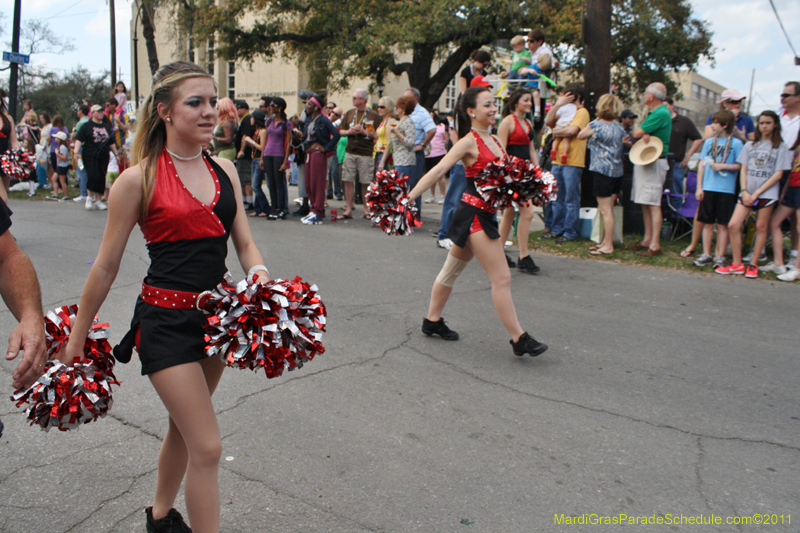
<point x="334" y="152"/>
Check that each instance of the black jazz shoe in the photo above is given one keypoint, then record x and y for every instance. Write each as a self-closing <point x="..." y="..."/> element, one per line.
<point x="511" y="263"/>
<point x="438" y="328"/>
<point x="172" y="523"/>
<point x="527" y="265"/>
<point x="528" y="345"/>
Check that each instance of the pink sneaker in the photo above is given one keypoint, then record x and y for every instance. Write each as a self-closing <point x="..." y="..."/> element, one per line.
<point x="730" y="269"/>
<point x="752" y="272"/>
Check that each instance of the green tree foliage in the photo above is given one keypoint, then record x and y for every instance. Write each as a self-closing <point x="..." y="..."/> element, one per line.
<point x="341" y="39"/>
<point x="60" y="95"/>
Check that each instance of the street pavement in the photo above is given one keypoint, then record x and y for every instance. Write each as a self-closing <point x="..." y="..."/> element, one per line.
<point x="663" y="394"/>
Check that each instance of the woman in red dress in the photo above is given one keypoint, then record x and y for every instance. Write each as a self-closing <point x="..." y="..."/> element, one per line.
<point x="172" y="181"/>
<point x="474" y="229"/>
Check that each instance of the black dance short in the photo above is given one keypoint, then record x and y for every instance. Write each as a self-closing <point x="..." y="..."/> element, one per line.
<point x="716" y="207"/>
<point x="462" y="224"/>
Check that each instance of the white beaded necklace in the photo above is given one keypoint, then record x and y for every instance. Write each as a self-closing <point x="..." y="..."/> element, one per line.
<point x="179" y="158"/>
<point x="481" y="131"/>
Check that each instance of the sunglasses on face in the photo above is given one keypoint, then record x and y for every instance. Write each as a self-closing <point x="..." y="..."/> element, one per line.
<point x="381" y="107"/>
<point x="787" y="95"/>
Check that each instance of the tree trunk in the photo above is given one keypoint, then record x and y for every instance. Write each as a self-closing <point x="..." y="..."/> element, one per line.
<point x="149" y="34"/>
<point x="597" y="38"/>
<point x="430" y="86"/>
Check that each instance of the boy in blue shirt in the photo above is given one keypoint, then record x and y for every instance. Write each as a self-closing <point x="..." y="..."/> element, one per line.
<point x="716" y="186"/>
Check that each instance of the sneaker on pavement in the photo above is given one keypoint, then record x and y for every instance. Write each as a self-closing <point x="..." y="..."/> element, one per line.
<point x="527" y="265"/>
<point x="511" y="263"/>
<point x="51" y="197"/>
<point x="172" y="523"/>
<point x="703" y="260"/>
<point x="89" y="204"/>
<point x="430" y="200"/>
<point x="101" y="205"/>
<point x="440" y="202"/>
<point x="751" y="272"/>
<point x="792" y="274"/>
<point x="65" y="199"/>
<point x="438" y="328"/>
<point x="528" y="345"/>
<point x="312" y="219"/>
<point x="772" y="267"/>
<point x="749" y="257"/>
<point x="445" y="243"/>
<point x="719" y="262"/>
<point x="730" y="269"/>
<point x="79" y="199"/>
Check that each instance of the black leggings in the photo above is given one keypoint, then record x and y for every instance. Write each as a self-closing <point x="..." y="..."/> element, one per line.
<point x="276" y="182"/>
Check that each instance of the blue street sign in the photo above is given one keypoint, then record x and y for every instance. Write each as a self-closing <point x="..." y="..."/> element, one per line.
<point x="11" y="57"/>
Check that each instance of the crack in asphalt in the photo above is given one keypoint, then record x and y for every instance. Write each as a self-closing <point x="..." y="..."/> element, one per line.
<point x="605" y="411"/>
<point x="241" y="399"/>
<point x="310" y="503"/>
<point x="102" y="504"/>
<point x="126" y="517"/>
<point x="701" y="454"/>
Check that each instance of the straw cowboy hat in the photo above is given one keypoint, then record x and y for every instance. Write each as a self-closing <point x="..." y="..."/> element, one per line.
<point x="645" y="154"/>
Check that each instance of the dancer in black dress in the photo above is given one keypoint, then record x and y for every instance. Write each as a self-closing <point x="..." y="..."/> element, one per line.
<point x="187" y="205"/>
<point x="474" y="229"/>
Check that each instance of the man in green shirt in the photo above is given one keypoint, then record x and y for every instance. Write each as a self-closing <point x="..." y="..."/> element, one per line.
<point x="648" y="180"/>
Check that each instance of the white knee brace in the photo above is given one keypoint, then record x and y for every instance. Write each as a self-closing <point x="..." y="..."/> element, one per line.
<point x="450" y="271"/>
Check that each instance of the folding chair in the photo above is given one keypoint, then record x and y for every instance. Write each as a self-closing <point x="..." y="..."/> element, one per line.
<point x="685" y="213"/>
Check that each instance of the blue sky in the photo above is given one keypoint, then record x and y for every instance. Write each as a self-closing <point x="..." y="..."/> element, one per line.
<point x="746" y="35"/>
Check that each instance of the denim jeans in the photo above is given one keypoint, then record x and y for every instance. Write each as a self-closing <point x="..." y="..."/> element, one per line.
<point x="41" y="175"/>
<point x="678" y="174"/>
<point x="548" y="217"/>
<point x="415" y="175"/>
<point x="260" y="203"/>
<point x="567" y="207"/>
<point x="458" y="184"/>
<point x="334" y="177"/>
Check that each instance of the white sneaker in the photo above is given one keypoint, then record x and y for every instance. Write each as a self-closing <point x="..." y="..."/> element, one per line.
<point x="79" y="199"/>
<point x="749" y="256"/>
<point x="298" y="201"/>
<point x="89" y="203"/>
<point x="445" y="243"/>
<point x="101" y="205"/>
<point x="440" y="202"/>
<point x="508" y="243"/>
<point x="430" y="200"/>
<point x="772" y="267"/>
<point x="792" y="274"/>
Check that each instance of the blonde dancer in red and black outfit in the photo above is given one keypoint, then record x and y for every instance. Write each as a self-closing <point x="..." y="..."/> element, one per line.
<point x="474" y="229"/>
<point x="173" y="181"/>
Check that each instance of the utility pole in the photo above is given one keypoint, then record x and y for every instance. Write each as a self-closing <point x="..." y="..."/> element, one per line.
<point x="12" y="78"/>
<point x="113" y="45"/>
<point x="596" y="33"/>
<point x="750" y="96"/>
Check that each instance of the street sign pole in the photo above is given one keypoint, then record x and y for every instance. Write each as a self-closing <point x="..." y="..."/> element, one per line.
<point x="12" y="78"/>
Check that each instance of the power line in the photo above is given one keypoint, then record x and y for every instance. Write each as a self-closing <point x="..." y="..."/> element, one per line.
<point x="63" y="10"/>
<point x="780" y="22"/>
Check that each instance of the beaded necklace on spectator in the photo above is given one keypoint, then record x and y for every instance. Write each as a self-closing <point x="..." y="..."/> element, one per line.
<point x="727" y="148"/>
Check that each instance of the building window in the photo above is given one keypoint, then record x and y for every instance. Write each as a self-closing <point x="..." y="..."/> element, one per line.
<point x="695" y="92"/>
<point x="231" y="79"/>
<point x="210" y="56"/>
<point x="450" y="94"/>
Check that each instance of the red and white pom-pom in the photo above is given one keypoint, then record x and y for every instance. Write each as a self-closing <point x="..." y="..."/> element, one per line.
<point x="275" y="326"/>
<point x="388" y="205"/>
<point x="515" y="181"/>
<point x="68" y="396"/>
<point x="17" y="164"/>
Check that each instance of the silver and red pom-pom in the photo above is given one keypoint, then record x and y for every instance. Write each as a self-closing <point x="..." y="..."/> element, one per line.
<point x="275" y="326"/>
<point x="514" y="182"/>
<point x="388" y="204"/>
<point x="17" y="164"/>
<point x="68" y="396"/>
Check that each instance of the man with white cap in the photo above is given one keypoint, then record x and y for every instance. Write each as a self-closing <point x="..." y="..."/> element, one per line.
<point x="732" y="100"/>
<point x="648" y="180"/>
